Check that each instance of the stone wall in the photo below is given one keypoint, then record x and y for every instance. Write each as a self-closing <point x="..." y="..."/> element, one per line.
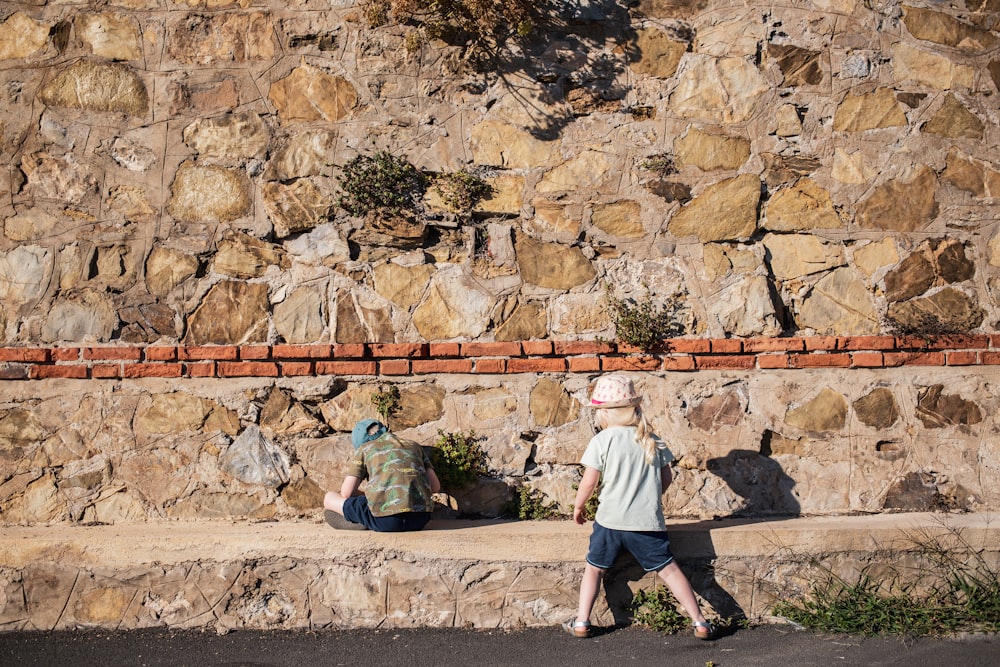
<point x="795" y="172"/>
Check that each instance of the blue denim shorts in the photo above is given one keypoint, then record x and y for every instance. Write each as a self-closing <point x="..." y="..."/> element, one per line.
<point x="650" y="548"/>
<point x="356" y="510"/>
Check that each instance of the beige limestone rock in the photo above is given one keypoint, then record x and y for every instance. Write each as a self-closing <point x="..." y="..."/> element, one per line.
<point x="506" y="198"/>
<point x="207" y="504"/>
<point x="299" y="318"/>
<point x="499" y="144"/>
<point x="954" y="121"/>
<point x="225" y="37"/>
<point x="310" y="94"/>
<point x="803" y="206"/>
<point x="947" y="310"/>
<point x="620" y="218"/>
<point x="208" y="193"/>
<point x="851" y="168"/>
<point x="343" y="411"/>
<point x="230" y="138"/>
<point x="904" y="204"/>
<point x="117" y="506"/>
<point x="874" y="256"/>
<point x="321" y="246"/>
<point x="494" y="403"/>
<point x="31" y="223"/>
<point x="910" y="63"/>
<point x="788" y="122"/>
<point x="826" y="411"/>
<point x="555" y="221"/>
<point x="746" y="308"/>
<point x="22" y="37"/>
<point x="89" y="315"/>
<point x="839" y="304"/>
<point x="159" y="474"/>
<point x="307" y="153"/>
<point x="552" y="265"/>
<point x="994" y="250"/>
<point x="167" y="268"/>
<point x="868" y="111"/>
<point x="655" y="54"/>
<point x="240" y="255"/>
<point x="131" y="202"/>
<point x="721" y="90"/>
<point x="578" y="313"/>
<point x="25" y="272"/>
<point x="453" y="306"/>
<point x="62" y="178"/>
<point x="945" y="29"/>
<point x="729" y="34"/>
<point x="877" y="409"/>
<point x="794" y="255"/>
<point x="528" y="321"/>
<point x="403" y="285"/>
<point x="418" y="405"/>
<point x="586" y="171"/>
<point x="110" y="35"/>
<point x="551" y="405"/>
<point x="726" y="210"/>
<point x="231" y="313"/>
<point x="96" y="86"/>
<point x="710" y="152"/>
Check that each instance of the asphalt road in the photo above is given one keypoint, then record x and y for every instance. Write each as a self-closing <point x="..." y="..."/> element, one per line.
<point x="539" y="647"/>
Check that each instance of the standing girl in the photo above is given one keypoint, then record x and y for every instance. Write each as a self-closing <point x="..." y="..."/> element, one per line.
<point x="634" y="465"/>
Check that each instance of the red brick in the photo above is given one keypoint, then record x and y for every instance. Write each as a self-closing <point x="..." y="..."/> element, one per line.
<point x="989" y="358"/>
<point x="255" y="352"/>
<point x="893" y="359"/>
<point x="350" y="351"/>
<point x="14" y="372"/>
<point x="394" y="367"/>
<point x="771" y="361"/>
<point x="442" y="365"/>
<point x="504" y="349"/>
<point x="868" y="343"/>
<point x="153" y="370"/>
<point x="296" y="368"/>
<point x="571" y="347"/>
<point x="960" y="342"/>
<point x="912" y="342"/>
<point x="836" y="360"/>
<point x="820" y="343"/>
<point x="285" y="351"/>
<point x="625" y="348"/>
<point x="445" y="349"/>
<point x="923" y="358"/>
<point x="105" y="371"/>
<point x="37" y="354"/>
<point x="65" y="354"/>
<point x="715" y="362"/>
<point x="867" y="359"/>
<point x="266" y="369"/>
<point x="161" y="353"/>
<point x="205" y="369"/>
<point x="112" y="353"/>
<point x="536" y="365"/>
<point x="45" y="372"/>
<point x="537" y="348"/>
<point x="584" y="364"/>
<point x="632" y="362"/>
<point x="995" y="341"/>
<point x="688" y="345"/>
<point x="963" y="358"/>
<point x="725" y="346"/>
<point x="684" y="363"/>
<point x="774" y="345"/>
<point x="492" y="366"/>
<point x="345" y="367"/>
<point x="207" y="352"/>
<point x="407" y="350"/>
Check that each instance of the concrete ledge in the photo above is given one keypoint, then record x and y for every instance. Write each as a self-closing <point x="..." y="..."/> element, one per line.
<point x="456" y="573"/>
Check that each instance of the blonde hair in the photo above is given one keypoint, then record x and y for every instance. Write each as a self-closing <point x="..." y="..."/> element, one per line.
<point x="631" y="415"/>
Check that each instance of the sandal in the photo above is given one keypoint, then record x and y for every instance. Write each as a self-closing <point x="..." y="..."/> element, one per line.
<point x="704" y="630"/>
<point x="579" y="629"/>
<point x="339" y="522"/>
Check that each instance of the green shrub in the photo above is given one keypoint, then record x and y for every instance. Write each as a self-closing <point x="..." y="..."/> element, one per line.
<point x="458" y="459"/>
<point x="657" y="610"/>
<point x="380" y="183"/>
<point x="386" y="402"/>
<point x="461" y="191"/>
<point x="530" y="505"/>
<point x="644" y="324"/>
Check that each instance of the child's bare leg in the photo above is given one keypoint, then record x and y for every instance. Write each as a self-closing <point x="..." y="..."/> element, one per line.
<point x="678" y="584"/>
<point x="334" y="501"/>
<point x="589" y="588"/>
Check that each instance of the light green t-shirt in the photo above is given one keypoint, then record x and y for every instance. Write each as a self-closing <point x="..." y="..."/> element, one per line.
<point x="631" y="489"/>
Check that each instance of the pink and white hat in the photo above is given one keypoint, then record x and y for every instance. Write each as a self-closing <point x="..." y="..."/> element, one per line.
<point x="614" y="391"/>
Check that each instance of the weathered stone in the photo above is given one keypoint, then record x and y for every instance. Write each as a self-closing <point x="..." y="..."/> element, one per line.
<point x="89" y="315"/>
<point x="304" y="154"/>
<point x="349" y="327"/>
<point x="760" y="485"/>
<point x="719" y="90"/>
<point x="115" y="506"/>
<point x="131" y="202"/>
<point x="240" y="255"/>
<point x="390" y="230"/>
<point x="322" y="246"/>
<point x="494" y="403"/>
<point x="25" y="272"/>
<point x="788" y="122"/>
<point x="554" y="221"/>
<point x="934" y="70"/>
<point x="506" y="196"/>
<point x="551" y="265"/>
<point x="159" y="475"/>
<point x="232" y="137"/>
<point x="528" y="321"/>
<point x="31" y="223"/>
<point x="877" y="409"/>
<point x="210" y="193"/>
<point x="103" y="606"/>
<point x="851" y="168"/>
<point x="167" y="268"/>
<point x="178" y="412"/>
<point x="911" y="278"/>
<point x="946" y="311"/>
<point x="799" y="67"/>
<point x="309" y="94"/>
<point x="874" y="256"/>
<point x="419" y="405"/>
<point x="303" y="495"/>
<point x="746" y="308"/>
<point x="226" y="37"/>
<point x="109" y="35"/>
<point x="299" y="318"/>
<point x="102" y="87"/>
<point x="724" y="211"/>
<point x="281" y="415"/>
<point x="795" y="255"/>
<point x="726" y="407"/>
<point x="58" y="178"/>
<point x="954" y="121"/>
<point x="253" y="459"/>
<point x="936" y="409"/>
<point x="904" y="204"/>
<point x="578" y="313"/>
<point x="868" y="111"/>
<point x="231" y="313"/>
<point x="839" y="304"/>
<point x="710" y="152"/>
<point x="914" y="492"/>
<point x="210" y="505"/>
<point x="22" y="37"/>
<point x="827" y="411"/>
<point x="40" y="503"/>
<point x="803" y="206"/>
<point x="654" y="54"/>
<point x="946" y="30"/>
<point x="488" y="498"/>
<point x="970" y="175"/>
<point x="583" y="171"/>
<point x="499" y="144"/>
<point x="551" y="405"/>
<point x="454" y="305"/>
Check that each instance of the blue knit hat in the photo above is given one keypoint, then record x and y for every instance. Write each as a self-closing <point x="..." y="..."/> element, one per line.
<point x="367" y="430"/>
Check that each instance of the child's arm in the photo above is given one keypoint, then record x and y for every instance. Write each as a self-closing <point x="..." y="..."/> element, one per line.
<point x="350" y="486"/>
<point x="591" y="476"/>
<point x="432" y="478"/>
<point x="666" y="476"/>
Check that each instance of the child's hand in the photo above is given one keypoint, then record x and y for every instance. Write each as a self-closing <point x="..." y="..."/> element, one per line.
<point x="578" y="516"/>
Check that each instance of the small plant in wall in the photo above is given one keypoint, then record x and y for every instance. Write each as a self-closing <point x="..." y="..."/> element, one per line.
<point x="461" y="191"/>
<point x="386" y="402"/>
<point x="529" y="505"/>
<point x="458" y="459"/>
<point x="380" y="183"/>
<point x="645" y="323"/>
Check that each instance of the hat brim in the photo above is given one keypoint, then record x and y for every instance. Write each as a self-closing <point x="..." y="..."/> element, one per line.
<point x="616" y="404"/>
